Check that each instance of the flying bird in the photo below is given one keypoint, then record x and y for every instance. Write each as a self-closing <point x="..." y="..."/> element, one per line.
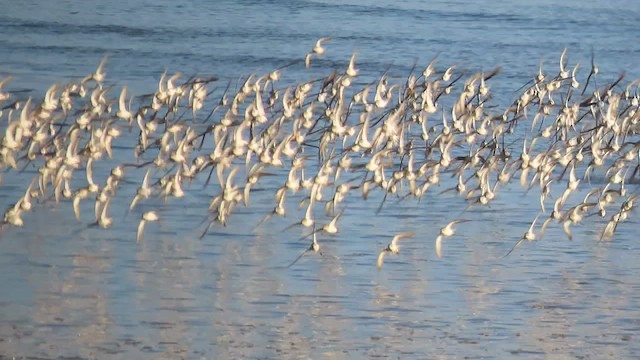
<point x="393" y="246"/>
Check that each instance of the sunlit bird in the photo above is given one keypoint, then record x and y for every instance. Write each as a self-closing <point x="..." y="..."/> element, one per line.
<point x="317" y="50"/>
<point x="393" y="247"/>
<point x="528" y="236"/>
<point x="446" y="231"/>
<point x="315" y="247"/>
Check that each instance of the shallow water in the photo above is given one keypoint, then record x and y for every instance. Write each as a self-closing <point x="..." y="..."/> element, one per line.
<point x="71" y="291"/>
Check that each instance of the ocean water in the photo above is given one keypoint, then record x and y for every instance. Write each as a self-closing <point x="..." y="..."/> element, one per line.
<point x="73" y="291"/>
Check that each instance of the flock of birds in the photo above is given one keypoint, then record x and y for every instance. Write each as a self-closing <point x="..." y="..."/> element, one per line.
<point x="333" y="137"/>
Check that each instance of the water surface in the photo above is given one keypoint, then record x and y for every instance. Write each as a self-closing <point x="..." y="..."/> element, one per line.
<point x="70" y="291"/>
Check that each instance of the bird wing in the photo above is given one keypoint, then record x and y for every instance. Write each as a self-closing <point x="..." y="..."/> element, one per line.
<point x="76" y="207"/>
<point x="140" y="230"/>
<point x="403" y="235"/>
<point x="439" y="246"/>
<point x="298" y="258"/>
<point x="122" y="101"/>
<point x="381" y="259"/>
<point x="514" y="247"/>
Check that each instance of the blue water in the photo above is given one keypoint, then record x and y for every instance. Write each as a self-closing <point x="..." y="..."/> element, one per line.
<point x="73" y="291"/>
